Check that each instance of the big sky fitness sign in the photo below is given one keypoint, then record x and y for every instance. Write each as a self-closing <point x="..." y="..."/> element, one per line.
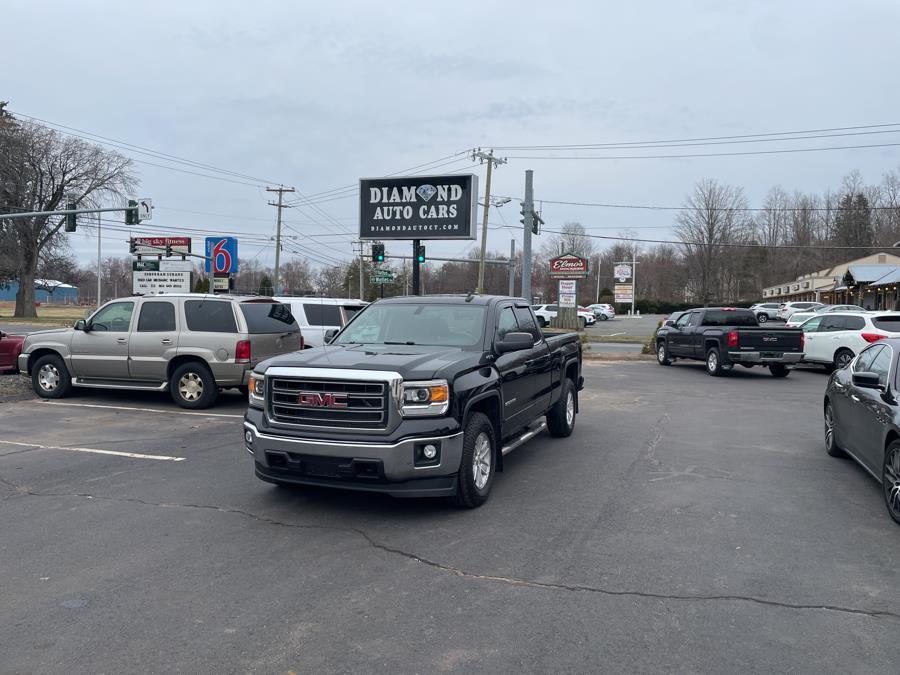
<point x="418" y="207"/>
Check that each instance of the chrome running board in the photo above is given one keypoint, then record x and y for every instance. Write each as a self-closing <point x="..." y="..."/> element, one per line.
<point x="527" y="436"/>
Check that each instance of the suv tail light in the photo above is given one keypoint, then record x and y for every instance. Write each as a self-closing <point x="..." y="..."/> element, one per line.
<point x="242" y="352"/>
<point x="872" y="337"/>
<point x="732" y="338"/>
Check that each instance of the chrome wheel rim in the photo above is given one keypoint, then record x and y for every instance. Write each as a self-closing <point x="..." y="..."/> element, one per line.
<point x="829" y="427"/>
<point x="190" y="386"/>
<point x="661" y="353"/>
<point x="712" y="362"/>
<point x="570" y="409"/>
<point x="48" y="377"/>
<point x="891" y="481"/>
<point x="843" y="359"/>
<point x="763" y="318"/>
<point x="481" y="460"/>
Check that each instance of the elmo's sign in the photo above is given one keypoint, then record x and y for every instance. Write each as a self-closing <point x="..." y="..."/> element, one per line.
<point x="568" y="266"/>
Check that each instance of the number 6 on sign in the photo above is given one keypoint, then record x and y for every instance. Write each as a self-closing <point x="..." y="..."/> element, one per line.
<point x="221" y="255"/>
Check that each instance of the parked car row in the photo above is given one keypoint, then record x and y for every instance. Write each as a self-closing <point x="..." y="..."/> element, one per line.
<point x="787" y="311"/>
<point x="546" y="313"/>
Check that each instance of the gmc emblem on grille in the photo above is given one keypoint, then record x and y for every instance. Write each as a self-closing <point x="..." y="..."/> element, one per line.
<point x="314" y="399"/>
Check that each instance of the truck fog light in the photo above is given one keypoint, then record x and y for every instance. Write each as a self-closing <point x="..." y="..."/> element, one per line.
<point x="429" y="451"/>
<point x="248" y="437"/>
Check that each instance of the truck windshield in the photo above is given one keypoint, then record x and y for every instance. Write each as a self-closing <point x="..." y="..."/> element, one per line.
<point x="417" y="324"/>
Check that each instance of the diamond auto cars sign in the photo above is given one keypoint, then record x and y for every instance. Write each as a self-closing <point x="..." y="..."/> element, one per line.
<point x="568" y="266"/>
<point x="418" y="207"/>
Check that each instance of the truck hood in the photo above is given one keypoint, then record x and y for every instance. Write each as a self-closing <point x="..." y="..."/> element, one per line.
<point x="413" y="362"/>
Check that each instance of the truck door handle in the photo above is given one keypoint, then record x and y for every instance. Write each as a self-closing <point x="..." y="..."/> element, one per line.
<point x="854" y="397"/>
<point x="167" y="341"/>
<point x="122" y="341"/>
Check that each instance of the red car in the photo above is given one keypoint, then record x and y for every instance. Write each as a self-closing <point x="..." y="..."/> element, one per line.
<point x="10" y="348"/>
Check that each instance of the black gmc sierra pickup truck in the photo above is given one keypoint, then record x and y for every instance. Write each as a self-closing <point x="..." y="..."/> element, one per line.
<point x="415" y="397"/>
<point x="723" y="336"/>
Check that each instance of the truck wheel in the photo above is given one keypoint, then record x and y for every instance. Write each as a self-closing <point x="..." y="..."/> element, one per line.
<point x="779" y="370"/>
<point x="842" y="358"/>
<point x="762" y="318"/>
<point x="561" y="418"/>
<point x="192" y="385"/>
<point x="713" y="362"/>
<point x="476" y="471"/>
<point x="50" y="377"/>
<point x="662" y="354"/>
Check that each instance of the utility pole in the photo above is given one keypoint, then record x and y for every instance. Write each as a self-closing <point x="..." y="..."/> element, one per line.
<point x="528" y="213"/>
<point x="512" y="268"/>
<point x="633" y="275"/>
<point x="99" y="278"/>
<point x="415" y="268"/>
<point x="492" y="162"/>
<point x="280" y="204"/>
<point x="361" y="266"/>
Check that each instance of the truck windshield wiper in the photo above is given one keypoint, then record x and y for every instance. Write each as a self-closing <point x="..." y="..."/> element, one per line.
<point x="392" y="342"/>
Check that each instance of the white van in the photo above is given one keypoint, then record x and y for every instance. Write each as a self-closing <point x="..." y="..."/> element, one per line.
<point x="315" y="316"/>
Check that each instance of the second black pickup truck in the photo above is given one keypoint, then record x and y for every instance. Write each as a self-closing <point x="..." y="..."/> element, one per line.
<point x="415" y="397"/>
<point x="723" y="336"/>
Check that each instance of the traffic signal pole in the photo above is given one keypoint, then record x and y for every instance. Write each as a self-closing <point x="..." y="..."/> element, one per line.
<point x="528" y="221"/>
<point x="415" y="267"/>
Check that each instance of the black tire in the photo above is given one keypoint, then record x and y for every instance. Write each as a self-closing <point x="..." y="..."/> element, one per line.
<point x="662" y="354"/>
<point x="542" y="322"/>
<point x="842" y="357"/>
<point x="50" y="378"/>
<point x="762" y="317"/>
<point x="603" y="317"/>
<point x="713" y="362"/>
<point x="890" y="480"/>
<point x="193" y="386"/>
<point x="831" y="444"/>
<point x="561" y="418"/>
<point x="779" y="370"/>
<point x="468" y="493"/>
<point x="829" y="368"/>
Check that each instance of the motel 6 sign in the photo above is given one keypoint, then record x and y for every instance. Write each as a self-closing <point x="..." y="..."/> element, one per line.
<point x="221" y="255"/>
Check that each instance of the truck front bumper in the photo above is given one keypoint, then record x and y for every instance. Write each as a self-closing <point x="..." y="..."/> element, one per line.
<point x="390" y="467"/>
<point x="765" y="357"/>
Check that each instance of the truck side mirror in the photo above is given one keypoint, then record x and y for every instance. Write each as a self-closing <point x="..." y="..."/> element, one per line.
<point x="514" y="342"/>
<point x="330" y="334"/>
<point x="80" y="325"/>
<point x="669" y="323"/>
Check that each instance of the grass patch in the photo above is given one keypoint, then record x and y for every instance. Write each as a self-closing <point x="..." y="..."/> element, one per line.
<point x="49" y="314"/>
<point x="618" y="339"/>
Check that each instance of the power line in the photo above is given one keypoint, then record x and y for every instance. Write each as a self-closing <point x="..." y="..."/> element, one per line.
<point x="651" y="207"/>
<point x="710" y="154"/>
<point x="622" y="144"/>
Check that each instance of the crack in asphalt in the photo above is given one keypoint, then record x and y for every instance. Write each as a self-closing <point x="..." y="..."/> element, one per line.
<point x="463" y="574"/>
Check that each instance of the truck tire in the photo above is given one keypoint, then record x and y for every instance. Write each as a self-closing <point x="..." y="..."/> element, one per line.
<point x="479" y="462"/>
<point x="50" y="378"/>
<point x="713" y="362"/>
<point x="779" y="370"/>
<point x="561" y="418"/>
<point x="762" y="317"/>
<point x="662" y="353"/>
<point x="193" y="386"/>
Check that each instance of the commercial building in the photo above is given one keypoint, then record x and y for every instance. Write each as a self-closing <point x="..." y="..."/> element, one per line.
<point x="46" y="292"/>
<point x="856" y="282"/>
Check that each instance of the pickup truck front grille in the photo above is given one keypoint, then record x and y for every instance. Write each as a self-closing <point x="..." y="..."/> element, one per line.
<point x="328" y="403"/>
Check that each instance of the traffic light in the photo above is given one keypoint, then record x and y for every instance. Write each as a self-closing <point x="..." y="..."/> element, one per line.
<point x="131" y="213"/>
<point x="168" y="250"/>
<point x="420" y="253"/>
<point x="71" y="218"/>
<point x="378" y="253"/>
<point x="523" y="211"/>
<point x="536" y="223"/>
<point x="132" y="247"/>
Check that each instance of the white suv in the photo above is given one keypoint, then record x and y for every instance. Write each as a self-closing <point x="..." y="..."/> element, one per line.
<point x="833" y="339"/>
<point x="545" y="313"/>
<point x="603" y="311"/>
<point x="316" y="316"/>
<point x="765" y="311"/>
<point x="788" y="308"/>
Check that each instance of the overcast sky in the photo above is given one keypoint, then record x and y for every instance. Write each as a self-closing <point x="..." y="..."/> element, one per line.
<point x="315" y="95"/>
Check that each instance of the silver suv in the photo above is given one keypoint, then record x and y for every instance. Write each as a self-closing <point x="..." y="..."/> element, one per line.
<point x="191" y="344"/>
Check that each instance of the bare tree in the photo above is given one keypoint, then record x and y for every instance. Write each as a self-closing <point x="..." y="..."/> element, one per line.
<point x="41" y="170"/>
<point x="573" y="238"/>
<point x="714" y="215"/>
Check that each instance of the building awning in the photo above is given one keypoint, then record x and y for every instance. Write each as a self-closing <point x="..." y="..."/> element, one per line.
<point x="892" y="278"/>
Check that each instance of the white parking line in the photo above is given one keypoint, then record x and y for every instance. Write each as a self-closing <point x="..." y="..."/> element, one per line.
<point x="96" y="451"/>
<point x="152" y="410"/>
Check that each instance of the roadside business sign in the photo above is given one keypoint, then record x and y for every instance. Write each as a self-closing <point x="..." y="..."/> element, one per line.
<point x="221" y="283"/>
<point x="623" y="292"/>
<point x="567" y="293"/>
<point x="157" y="245"/>
<point x="222" y="255"/>
<point x="146" y="282"/>
<point x="567" y="285"/>
<point x="381" y="276"/>
<point x="145" y="265"/>
<point x="569" y="266"/>
<point x="162" y="265"/>
<point x="622" y="272"/>
<point x="418" y="207"/>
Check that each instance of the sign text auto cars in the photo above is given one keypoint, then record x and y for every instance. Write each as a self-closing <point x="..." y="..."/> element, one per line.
<point x="418" y="207"/>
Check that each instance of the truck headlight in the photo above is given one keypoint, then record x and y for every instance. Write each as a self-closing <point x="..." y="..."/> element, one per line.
<point x="425" y="398"/>
<point x="257" y="387"/>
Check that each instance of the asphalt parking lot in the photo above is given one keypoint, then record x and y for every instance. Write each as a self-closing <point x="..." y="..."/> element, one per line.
<point x="690" y="524"/>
